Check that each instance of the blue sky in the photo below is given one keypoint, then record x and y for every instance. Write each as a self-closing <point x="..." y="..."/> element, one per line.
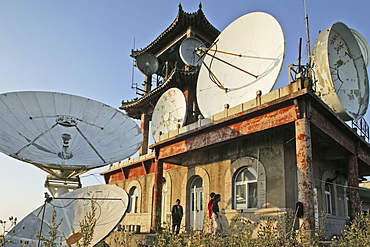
<point x="82" y="47"/>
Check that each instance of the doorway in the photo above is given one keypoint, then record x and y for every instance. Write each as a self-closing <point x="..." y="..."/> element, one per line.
<point x="196" y="204"/>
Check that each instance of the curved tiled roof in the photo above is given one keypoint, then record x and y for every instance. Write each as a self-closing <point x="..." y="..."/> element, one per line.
<point x="182" y="21"/>
<point x="177" y="77"/>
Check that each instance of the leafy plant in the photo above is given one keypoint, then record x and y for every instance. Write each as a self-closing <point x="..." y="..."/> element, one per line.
<point x="3" y="223"/>
<point x="53" y="239"/>
<point x="84" y="236"/>
<point x="357" y="234"/>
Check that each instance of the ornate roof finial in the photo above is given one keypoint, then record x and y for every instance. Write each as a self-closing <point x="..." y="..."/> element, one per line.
<point x="180" y="7"/>
<point x="200" y="5"/>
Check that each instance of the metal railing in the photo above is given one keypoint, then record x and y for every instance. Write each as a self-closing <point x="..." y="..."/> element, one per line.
<point x="362" y="128"/>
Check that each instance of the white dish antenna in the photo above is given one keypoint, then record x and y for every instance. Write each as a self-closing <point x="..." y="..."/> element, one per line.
<point x="246" y="57"/>
<point x="169" y="113"/>
<point x="57" y="130"/>
<point x="340" y="69"/>
<point x="111" y="204"/>
<point x="147" y="63"/>
<point x="364" y="46"/>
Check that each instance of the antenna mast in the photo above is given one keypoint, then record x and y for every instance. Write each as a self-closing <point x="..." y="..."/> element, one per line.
<point x="308" y="42"/>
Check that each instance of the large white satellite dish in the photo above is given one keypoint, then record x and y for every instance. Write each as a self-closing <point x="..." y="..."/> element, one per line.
<point x="246" y="57"/>
<point x="169" y="113"/>
<point x="58" y="130"/>
<point x="111" y="204"/>
<point x="65" y="135"/>
<point x="340" y="69"/>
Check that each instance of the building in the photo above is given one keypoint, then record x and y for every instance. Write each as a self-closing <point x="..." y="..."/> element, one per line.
<point x="263" y="156"/>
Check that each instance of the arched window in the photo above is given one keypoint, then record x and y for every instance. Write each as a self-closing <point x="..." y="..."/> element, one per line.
<point x="245" y="188"/>
<point x="134" y="195"/>
<point x="329" y="198"/>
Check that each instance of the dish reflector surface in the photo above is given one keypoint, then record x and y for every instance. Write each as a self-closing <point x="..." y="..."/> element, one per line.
<point x="256" y="41"/>
<point x="342" y="80"/>
<point x="188" y="51"/>
<point x="169" y="113"/>
<point x="147" y="63"/>
<point x="111" y="204"/>
<point x="57" y="130"/>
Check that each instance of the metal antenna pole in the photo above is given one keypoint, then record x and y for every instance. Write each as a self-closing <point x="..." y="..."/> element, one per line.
<point x="307" y="31"/>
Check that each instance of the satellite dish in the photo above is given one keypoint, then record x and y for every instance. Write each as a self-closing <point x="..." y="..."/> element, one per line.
<point x="246" y="57"/>
<point x="57" y="130"/>
<point x="111" y="204"/>
<point x="342" y="80"/>
<point x="147" y="63"/>
<point x="169" y="113"/>
<point x="64" y="135"/>
<point x="188" y="51"/>
<point x="364" y="46"/>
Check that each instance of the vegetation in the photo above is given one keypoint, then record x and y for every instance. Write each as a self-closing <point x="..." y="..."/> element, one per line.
<point x="270" y="231"/>
<point x="6" y="230"/>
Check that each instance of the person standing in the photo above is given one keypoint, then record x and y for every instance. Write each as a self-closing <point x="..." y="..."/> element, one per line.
<point x="216" y="216"/>
<point x="177" y="213"/>
<point x="212" y="195"/>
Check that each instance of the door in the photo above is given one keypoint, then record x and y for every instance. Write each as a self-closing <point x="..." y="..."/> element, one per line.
<point x="196" y="204"/>
<point x="164" y="205"/>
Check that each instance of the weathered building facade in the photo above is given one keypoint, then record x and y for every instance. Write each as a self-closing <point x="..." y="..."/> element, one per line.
<point x="263" y="156"/>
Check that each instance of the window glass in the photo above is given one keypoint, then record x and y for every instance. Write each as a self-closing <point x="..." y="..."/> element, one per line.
<point x="245" y="188"/>
<point x="197" y="183"/>
<point x="134" y="195"/>
<point x="329" y="198"/>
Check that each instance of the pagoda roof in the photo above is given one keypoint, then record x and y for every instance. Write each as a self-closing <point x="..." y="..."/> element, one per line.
<point x="183" y="20"/>
<point x="177" y="78"/>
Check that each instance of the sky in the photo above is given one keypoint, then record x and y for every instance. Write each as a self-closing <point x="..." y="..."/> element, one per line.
<point x="83" y="47"/>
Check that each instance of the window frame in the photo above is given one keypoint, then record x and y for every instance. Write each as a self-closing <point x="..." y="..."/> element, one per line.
<point x="134" y="198"/>
<point x="246" y="185"/>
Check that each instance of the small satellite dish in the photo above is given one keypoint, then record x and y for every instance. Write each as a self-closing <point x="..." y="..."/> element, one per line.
<point x="147" y="63"/>
<point x="111" y="204"/>
<point x="364" y="46"/>
<point x="246" y="57"/>
<point x="169" y="113"/>
<point x="341" y="76"/>
<point x="62" y="131"/>
<point x="188" y="51"/>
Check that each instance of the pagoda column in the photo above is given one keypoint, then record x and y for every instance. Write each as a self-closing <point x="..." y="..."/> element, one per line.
<point x="157" y="195"/>
<point x="144" y="119"/>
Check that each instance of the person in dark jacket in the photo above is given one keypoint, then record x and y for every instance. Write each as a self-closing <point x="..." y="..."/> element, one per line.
<point x="216" y="216"/>
<point x="177" y="213"/>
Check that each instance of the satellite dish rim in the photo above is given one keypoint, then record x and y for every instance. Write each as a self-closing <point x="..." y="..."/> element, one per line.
<point x="364" y="46"/>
